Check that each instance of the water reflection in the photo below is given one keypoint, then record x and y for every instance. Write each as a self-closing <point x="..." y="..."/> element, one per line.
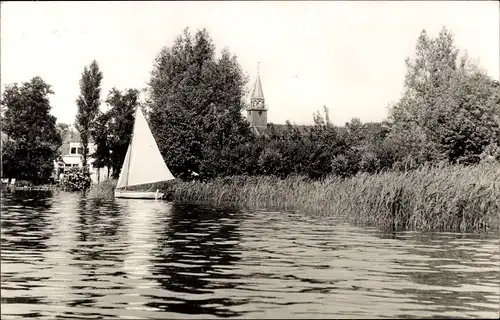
<point x="97" y="250"/>
<point x="67" y="256"/>
<point x="26" y="233"/>
<point x="197" y="246"/>
<point x="458" y="271"/>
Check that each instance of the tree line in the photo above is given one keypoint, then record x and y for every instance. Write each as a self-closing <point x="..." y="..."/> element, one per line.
<point x="449" y="113"/>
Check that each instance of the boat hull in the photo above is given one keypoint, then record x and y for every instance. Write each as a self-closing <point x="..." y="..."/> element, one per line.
<point x="138" y="194"/>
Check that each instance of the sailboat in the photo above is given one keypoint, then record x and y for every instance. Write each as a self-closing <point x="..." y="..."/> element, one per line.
<point x="143" y="163"/>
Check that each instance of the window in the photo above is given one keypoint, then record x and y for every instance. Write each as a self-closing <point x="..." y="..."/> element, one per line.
<point x="80" y="150"/>
<point x="73" y="150"/>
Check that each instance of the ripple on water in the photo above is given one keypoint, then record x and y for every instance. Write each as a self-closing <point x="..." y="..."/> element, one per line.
<point x="66" y="256"/>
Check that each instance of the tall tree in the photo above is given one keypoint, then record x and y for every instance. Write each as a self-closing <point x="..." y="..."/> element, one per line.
<point x="100" y="135"/>
<point x="449" y="109"/>
<point x="63" y="129"/>
<point x="120" y="124"/>
<point x="88" y="105"/>
<point x="196" y="101"/>
<point x="34" y="139"/>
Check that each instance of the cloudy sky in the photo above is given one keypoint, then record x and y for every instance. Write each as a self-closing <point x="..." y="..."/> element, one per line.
<point x="348" y="56"/>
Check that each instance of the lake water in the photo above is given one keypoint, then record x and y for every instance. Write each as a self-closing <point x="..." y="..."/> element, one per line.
<point x="66" y="256"/>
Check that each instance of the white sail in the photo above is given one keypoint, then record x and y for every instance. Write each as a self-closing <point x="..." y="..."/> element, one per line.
<point x="143" y="163"/>
<point x="122" y="180"/>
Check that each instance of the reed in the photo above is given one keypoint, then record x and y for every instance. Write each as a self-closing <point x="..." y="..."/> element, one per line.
<point x="102" y="190"/>
<point x="446" y="198"/>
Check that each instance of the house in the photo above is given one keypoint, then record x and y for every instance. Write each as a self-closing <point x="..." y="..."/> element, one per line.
<point x="72" y="156"/>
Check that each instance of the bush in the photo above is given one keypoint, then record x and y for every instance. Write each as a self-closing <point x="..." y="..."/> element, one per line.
<point x="24" y="183"/>
<point x="491" y="153"/>
<point x="77" y="179"/>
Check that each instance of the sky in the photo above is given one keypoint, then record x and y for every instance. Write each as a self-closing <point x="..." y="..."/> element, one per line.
<point x="348" y="56"/>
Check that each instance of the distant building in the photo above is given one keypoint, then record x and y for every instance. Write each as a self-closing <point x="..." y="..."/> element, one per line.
<point x="257" y="110"/>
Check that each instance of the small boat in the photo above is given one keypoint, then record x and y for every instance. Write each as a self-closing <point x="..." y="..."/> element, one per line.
<point x="143" y="163"/>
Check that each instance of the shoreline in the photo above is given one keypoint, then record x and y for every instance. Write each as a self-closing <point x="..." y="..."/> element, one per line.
<point x="449" y="198"/>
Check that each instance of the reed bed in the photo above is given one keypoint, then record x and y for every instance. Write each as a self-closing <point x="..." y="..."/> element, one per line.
<point x="447" y="198"/>
<point x="102" y="190"/>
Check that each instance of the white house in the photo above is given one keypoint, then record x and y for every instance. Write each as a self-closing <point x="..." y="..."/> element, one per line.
<point x="74" y="158"/>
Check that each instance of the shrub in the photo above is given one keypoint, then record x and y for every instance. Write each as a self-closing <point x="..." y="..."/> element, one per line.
<point x="77" y="179"/>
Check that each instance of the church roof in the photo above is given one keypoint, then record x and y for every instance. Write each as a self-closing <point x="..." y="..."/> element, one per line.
<point x="257" y="92"/>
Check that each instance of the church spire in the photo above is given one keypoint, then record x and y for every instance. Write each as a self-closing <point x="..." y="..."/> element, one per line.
<point x="257" y="93"/>
<point x="257" y="110"/>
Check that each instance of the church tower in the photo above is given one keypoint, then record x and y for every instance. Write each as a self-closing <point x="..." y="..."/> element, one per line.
<point x="257" y="110"/>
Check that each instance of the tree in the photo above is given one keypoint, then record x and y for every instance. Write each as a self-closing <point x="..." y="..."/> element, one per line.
<point x="472" y="113"/>
<point x="196" y="101"/>
<point x="34" y="139"/>
<point x="100" y="135"/>
<point x="449" y="109"/>
<point x="120" y="119"/>
<point x="63" y="129"/>
<point x="88" y="105"/>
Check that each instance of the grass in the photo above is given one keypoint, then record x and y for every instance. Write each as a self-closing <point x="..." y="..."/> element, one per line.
<point x="102" y="190"/>
<point x="450" y="198"/>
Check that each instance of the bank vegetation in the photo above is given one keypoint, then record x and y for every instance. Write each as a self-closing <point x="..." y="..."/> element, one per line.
<point x="449" y="198"/>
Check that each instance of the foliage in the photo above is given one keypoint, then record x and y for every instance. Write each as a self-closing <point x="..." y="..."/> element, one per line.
<point x="120" y="122"/>
<point x="67" y="132"/>
<point x="88" y="105"/>
<point x="103" y="190"/>
<point x="99" y="134"/>
<point x="196" y="100"/>
<point x="450" y="109"/>
<point x="24" y="183"/>
<point x="33" y="136"/>
<point x="491" y="153"/>
<point x="446" y="198"/>
<point x="63" y="129"/>
<point x="77" y="179"/>
<point x="316" y="151"/>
